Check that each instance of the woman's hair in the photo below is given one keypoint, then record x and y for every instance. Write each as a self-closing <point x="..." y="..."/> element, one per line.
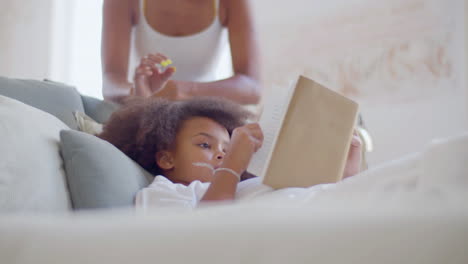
<point x="143" y="127"/>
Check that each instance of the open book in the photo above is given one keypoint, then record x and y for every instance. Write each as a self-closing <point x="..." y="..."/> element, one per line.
<point x="307" y="135"/>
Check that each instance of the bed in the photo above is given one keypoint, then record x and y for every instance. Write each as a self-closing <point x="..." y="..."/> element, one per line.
<point x="411" y="210"/>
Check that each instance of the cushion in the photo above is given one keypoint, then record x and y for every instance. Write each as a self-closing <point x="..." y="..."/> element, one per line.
<point x="98" y="110"/>
<point x="55" y="98"/>
<point x="32" y="177"/>
<point x="99" y="175"/>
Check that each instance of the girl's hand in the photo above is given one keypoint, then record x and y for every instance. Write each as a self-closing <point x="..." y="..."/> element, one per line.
<point x="148" y="77"/>
<point x="245" y="141"/>
<point x="353" y="163"/>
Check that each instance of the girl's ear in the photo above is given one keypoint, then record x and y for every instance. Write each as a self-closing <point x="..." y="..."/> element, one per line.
<point x="165" y="160"/>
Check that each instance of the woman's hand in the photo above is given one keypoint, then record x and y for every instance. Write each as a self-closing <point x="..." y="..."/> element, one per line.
<point x="149" y="79"/>
<point x="245" y="141"/>
<point x="171" y="91"/>
<point x="353" y="163"/>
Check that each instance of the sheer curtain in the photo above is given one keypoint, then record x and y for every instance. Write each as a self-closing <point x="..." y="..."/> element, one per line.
<point x="76" y="56"/>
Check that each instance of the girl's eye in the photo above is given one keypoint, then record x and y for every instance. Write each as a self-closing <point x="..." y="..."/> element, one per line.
<point x="204" y="145"/>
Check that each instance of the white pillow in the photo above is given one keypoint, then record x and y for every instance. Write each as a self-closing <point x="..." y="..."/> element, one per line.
<point x="32" y="177"/>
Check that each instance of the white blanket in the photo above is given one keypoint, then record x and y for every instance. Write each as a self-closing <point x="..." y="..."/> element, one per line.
<point x="438" y="174"/>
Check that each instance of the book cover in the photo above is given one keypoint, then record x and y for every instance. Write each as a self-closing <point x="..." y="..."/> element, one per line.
<point x="307" y="135"/>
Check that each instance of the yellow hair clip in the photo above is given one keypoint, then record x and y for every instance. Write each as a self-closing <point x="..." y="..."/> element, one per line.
<point x="166" y="63"/>
<point x="163" y="65"/>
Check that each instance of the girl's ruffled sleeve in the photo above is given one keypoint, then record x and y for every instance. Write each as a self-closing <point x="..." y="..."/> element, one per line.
<point x="164" y="193"/>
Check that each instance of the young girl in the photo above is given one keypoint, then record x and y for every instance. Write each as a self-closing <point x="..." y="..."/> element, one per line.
<point x="199" y="149"/>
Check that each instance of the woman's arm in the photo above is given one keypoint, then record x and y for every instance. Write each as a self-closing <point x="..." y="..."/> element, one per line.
<point x="244" y="87"/>
<point x="118" y="17"/>
<point x="353" y="161"/>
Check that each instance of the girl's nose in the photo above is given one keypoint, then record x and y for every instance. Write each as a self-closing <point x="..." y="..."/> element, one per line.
<point x="220" y="155"/>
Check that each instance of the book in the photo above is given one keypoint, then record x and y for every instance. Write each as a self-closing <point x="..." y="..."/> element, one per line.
<point x="307" y="135"/>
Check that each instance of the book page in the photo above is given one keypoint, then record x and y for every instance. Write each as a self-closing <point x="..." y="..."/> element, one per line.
<point x="270" y="121"/>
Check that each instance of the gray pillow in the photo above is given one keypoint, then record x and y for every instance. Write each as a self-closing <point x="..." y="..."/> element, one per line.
<point x="54" y="98"/>
<point x="98" y="174"/>
<point x="98" y="110"/>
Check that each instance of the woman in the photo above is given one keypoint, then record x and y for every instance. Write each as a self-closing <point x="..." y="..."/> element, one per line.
<point x="188" y="32"/>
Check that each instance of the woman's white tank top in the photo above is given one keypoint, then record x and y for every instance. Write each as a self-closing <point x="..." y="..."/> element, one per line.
<point x="201" y="57"/>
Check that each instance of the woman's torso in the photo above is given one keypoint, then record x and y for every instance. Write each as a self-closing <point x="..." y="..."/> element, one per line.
<point x="191" y="33"/>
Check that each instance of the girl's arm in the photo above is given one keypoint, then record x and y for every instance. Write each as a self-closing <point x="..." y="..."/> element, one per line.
<point x="223" y="187"/>
<point x="243" y="87"/>
<point x="118" y="17"/>
<point x="245" y="141"/>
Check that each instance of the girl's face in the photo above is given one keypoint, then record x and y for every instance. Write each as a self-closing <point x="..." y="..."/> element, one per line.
<point x="199" y="140"/>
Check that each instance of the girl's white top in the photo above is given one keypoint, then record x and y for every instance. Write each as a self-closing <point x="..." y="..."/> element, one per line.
<point x="201" y="57"/>
<point x="164" y="193"/>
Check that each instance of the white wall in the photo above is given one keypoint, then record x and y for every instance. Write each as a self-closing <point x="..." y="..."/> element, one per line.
<point x="25" y="38"/>
<point x="55" y="39"/>
<point x="402" y="60"/>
